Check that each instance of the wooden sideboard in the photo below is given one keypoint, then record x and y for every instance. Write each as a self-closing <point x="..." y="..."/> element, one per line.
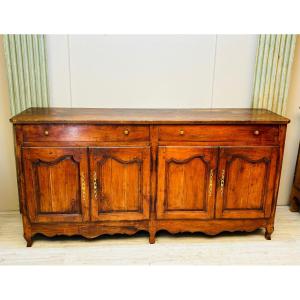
<point x="105" y="171"/>
<point x="295" y="193"/>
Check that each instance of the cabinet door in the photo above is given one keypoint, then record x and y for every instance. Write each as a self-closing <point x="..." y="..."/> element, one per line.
<point x="247" y="179"/>
<point x="120" y="183"/>
<point x="186" y="182"/>
<point x="56" y="184"/>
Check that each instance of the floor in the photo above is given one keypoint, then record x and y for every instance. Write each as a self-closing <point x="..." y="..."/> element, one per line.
<point x="189" y="249"/>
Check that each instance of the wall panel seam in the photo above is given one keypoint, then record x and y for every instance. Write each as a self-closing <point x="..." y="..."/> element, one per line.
<point x="69" y="70"/>
<point x="214" y="73"/>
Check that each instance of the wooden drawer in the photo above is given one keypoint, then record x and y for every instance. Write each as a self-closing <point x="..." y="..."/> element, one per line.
<point x="88" y="133"/>
<point x="222" y="133"/>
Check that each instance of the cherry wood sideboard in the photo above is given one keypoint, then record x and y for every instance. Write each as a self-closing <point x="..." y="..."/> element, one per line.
<point x="106" y="171"/>
<point x="295" y="193"/>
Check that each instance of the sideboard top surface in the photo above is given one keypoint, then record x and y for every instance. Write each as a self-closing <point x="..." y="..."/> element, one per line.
<point x="148" y="116"/>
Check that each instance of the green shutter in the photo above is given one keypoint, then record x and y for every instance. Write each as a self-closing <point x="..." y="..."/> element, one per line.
<point x="274" y="61"/>
<point x="27" y="71"/>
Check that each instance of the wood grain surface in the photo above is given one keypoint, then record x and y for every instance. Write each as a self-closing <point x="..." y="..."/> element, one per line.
<point x="93" y="172"/>
<point x="148" y="116"/>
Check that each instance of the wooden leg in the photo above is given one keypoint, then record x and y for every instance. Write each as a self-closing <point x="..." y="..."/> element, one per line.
<point x="269" y="231"/>
<point x="152" y="236"/>
<point x="294" y="205"/>
<point x="29" y="243"/>
<point x="27" y="231"/>
<point x="28" y="239"/>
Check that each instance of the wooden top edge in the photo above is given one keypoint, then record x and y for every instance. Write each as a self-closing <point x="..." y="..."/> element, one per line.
<point x="36" y="115"/>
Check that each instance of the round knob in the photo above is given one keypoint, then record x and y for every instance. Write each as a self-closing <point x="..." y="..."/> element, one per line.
<point x="126" y="131"/>
<point x="46" y="132"/>
<point x="256" y="132"/>
<point x="181" y="132"/>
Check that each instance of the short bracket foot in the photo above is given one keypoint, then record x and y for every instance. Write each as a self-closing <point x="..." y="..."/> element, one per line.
<point x="294" y="205"/>
<point x="29" y="243"/>
<point x="152" y="237"/>
<point x="269" y="231"/>
<point x="28" y="240"/>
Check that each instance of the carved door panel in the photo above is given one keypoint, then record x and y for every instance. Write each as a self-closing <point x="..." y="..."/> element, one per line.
<point x="56" y="184"/>
<point x="186" y="182"/>
<point x="247" y="179"/>
<point x="120" y="183"/>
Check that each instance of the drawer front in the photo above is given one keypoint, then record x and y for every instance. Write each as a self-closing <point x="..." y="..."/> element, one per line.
<point x="87" y="133"/>
<point x="221" y="133"/>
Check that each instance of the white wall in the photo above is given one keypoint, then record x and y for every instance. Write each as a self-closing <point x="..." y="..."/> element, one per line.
<point x="8" y="179"/>
<point x="151" y="71"/>
<point x="148" y="71"/>
<point x="293" y="130"/>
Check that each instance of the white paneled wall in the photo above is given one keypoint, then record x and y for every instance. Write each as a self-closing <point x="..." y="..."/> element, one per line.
<point x="151" y="71"/>
<point x="148" y="71"/>
<point x="59" y="70"/>
<point x="8" y="176"/>
<point x="234" y="69"/>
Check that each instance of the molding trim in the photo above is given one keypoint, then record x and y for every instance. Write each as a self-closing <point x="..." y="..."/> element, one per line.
<point x="274" y="59"/>
<point x="27" y="71"/>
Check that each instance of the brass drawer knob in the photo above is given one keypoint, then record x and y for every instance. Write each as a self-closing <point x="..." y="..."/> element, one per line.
<point x="256" y="132"/>
<point x="126" y="131"/>
<point x="181" y="132"/>
<point x="46" y="132"/>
